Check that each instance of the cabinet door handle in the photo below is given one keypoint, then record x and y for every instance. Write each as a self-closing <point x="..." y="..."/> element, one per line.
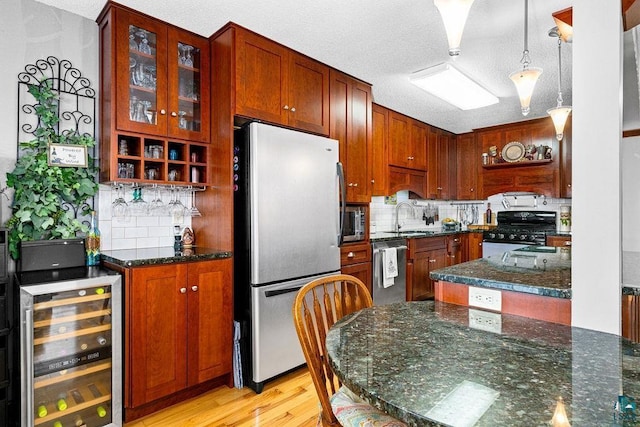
<point x="194" y="288"/>
<point x="174" y="114"/>
<point x="471" y="190"/>
<point x="355" y="184"/>
<point x="410" y="158"/>
<point x="286" y="107"/>
<point x="373" y="181"/>
<point x="350" y="184"/>
<point x="183" y="290"/>
<point x="432" y="260"/>
<point x="439" y="188"/>
<point x="293" y="109"/>
<point x="456" y="240"/>
<point x="351" y="255"/>
<point x="567" y="243"/>
<point x="163" y="112"/>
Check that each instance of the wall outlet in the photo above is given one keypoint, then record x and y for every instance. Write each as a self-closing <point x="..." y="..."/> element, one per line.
<point x="490" y="299"/>
<point x="485" y="320"/>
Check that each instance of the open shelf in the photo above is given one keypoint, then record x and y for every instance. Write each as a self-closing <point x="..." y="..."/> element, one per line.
<point x="517" y="164"/>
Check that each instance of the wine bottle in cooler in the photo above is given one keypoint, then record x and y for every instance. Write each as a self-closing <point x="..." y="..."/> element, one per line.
<point x="92" y="242"/>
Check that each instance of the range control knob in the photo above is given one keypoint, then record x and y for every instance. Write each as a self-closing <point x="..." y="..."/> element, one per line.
<point x="500" y="236"/>
<point x="532" y="237"/>
<point x="523" y="237"/>
<point x="512" y="236"/>
<point x="492" y="235"/>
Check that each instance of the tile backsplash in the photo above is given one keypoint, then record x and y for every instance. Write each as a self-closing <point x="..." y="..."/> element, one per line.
<point x="133" y="232"/>
<point x="382" y="215"/>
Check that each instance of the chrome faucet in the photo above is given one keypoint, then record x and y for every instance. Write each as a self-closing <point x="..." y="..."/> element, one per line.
<point x="398" y="206"/>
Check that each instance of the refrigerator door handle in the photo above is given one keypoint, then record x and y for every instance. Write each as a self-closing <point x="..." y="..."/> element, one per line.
<point x="28" y="371"/>
<point x="269" y="294"/>
<point x="343" y="199"/>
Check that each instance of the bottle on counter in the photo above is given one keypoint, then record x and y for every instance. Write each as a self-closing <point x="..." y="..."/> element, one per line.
<point x="92" y="242"/>
<point x="487" y="215"/>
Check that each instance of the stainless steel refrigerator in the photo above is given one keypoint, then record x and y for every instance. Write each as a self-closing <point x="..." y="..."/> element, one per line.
<point x="287" y="233"/>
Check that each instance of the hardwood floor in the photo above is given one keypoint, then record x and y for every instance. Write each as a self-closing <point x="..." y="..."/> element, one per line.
<point x="290" y="401"/>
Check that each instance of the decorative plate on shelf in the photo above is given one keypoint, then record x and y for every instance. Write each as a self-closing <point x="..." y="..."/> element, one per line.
<point x="513" y="152"/>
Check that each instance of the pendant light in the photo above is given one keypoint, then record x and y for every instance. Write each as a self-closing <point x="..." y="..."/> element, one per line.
<point x="525" y="79"/>
<point x="454" y="15"/>
<point x="559" y="113"/>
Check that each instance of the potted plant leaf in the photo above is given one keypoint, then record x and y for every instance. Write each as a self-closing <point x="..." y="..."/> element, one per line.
<point x="48" y="199"/>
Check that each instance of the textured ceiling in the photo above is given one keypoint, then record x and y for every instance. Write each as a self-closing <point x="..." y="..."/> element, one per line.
<point x="384" y="41"/>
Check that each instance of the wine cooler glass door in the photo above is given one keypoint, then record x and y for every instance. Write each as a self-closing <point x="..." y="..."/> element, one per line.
<point x="70" y="353"/>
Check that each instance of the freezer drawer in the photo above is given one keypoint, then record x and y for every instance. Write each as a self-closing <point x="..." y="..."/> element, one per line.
<point x="71" y="352"/>
<point x="275" y="345"/>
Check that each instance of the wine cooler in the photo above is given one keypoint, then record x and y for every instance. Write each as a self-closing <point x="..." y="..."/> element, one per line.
<point x="71" y="352"/>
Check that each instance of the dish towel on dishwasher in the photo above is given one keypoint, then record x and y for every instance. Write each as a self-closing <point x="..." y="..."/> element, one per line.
<point x="390" y="266"/>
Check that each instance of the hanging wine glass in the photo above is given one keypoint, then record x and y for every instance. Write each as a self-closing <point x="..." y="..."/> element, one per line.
<point x="157" y="206"/>
<point x="176" y="208"/>
<point x="193" y="210"/>
<point x="138" y="205"/>
<point x="119" y="207"/>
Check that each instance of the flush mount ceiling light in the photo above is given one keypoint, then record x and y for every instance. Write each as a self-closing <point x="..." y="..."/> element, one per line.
<point x="450" y="85"/>
<point x="559" y="113"/>
<point x="525" y="79"/>
<point x="454" y="15"/>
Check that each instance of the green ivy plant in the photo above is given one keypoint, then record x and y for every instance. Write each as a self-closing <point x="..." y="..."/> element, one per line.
<point x="46" y="197"/>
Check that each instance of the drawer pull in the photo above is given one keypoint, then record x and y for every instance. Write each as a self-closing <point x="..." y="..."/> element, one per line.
<point x="183" y="290"/>
<point x="567" y="243"/>
<point x="194" y="288"/>
<point x="351" y="255"/>
<point x="286" y="107"/>
<point x="432" y="260"/>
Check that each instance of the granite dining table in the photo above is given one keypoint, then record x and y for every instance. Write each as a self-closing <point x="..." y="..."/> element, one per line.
<point x="433" y="363"/>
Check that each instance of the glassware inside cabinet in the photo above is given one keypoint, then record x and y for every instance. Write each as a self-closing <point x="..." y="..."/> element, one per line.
<point x="189" y="87"/>
<point x="142" y="75"/>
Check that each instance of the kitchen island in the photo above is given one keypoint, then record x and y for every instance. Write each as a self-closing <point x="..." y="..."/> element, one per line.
<point x="533" y="282"/>
<point x="430" y="363"/>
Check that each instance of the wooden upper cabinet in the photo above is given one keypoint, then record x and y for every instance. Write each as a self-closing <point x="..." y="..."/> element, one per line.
<point x="278" y="85"/>
<point x="162" y="78"/>
<point x="379" y="145"/>
<point x="350" y="121"/>
<point x="399" y="135"/>
<point x="467" y="167"/>
<point x="441" y="169"/>
<point x="407" y="142"/>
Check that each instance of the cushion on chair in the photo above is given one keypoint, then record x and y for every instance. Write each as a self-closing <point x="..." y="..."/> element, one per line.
<point x="350" y="410"/>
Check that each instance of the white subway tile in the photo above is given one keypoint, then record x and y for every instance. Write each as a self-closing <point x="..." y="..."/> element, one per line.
<point x="123" y="244"/>
<point x="164" y="231"/>
<point x="148" y="242"/>
<point x="136" y="232"/>
<point x="117" y="232"/>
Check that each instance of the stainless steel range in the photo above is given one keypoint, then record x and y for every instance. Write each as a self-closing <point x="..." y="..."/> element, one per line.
<point x="517" y="229"/>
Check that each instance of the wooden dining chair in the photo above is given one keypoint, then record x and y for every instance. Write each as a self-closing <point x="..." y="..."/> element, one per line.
<point x="318" y="305"/>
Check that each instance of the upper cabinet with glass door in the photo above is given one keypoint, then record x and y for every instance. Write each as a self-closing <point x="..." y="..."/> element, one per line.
<point x="161" y="76"/>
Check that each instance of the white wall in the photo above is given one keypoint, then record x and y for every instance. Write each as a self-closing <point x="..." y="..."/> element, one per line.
<point x="597" y="130"/>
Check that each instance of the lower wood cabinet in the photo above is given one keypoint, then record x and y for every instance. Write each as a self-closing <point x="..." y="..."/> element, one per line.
<point x="355" y="260"/>
<point x="454" y="249"/>
<point x="474" y="246"/>
<point x="631" y="317"/>
<point x="425" y="255"/>
<point x="178" y="328"/>
<point x="559" y="241"/>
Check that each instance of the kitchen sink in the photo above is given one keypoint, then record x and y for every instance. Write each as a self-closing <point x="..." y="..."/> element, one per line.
<point x="415" y="233"/>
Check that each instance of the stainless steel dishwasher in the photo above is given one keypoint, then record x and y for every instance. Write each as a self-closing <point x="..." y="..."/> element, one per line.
<point x="397" y="291"/>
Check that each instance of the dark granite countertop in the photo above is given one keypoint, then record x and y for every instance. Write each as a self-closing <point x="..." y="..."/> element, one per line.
<point x="415" y="234"/>
<point x="538" y="270"/>
<point x="430" y="363"/>
<point x="162" y="255"/>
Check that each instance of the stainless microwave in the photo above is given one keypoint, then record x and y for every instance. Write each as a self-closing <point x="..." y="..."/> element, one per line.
<point x="353" y="229"/>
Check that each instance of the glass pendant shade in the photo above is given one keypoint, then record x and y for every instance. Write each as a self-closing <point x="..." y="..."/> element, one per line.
<point x="454" y="15"/>
<point x="525" y="81"/>
<point x="559" y="116"/>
